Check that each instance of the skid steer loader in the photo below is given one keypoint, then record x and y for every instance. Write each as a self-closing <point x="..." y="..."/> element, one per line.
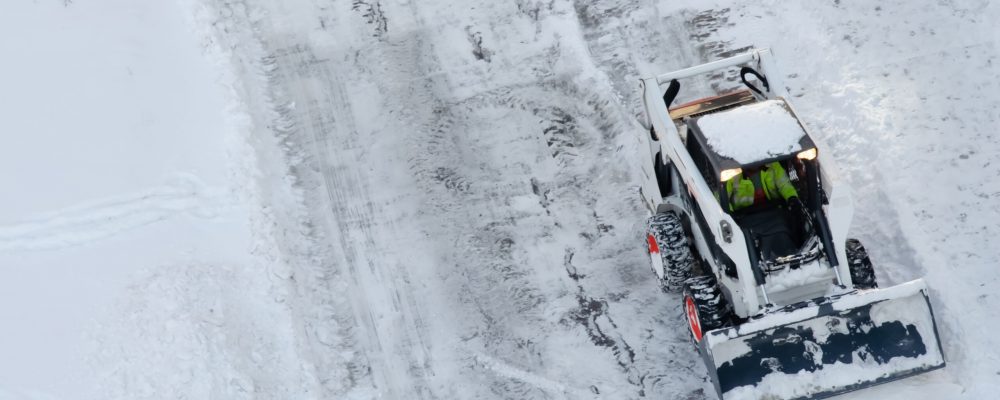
<point x="779" y="302"/>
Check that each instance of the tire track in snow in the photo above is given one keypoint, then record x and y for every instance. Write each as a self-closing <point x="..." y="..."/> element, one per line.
<point x="94" y="221"/>
<point x="329" y="333"/>
<point x="621" y="37"/>
<point x="593" y="315"/>
<point x="374" y="16"/>
<point x="495" y="275"/>
<point x="395" y="357"/>
<point x="704" y="26"/>
<point x="566" y="195"/>
<point x="568" y="133"/>
<point x="491" y="281"/>
<point x="480" y="140"/>
<point x="349" y="204"/>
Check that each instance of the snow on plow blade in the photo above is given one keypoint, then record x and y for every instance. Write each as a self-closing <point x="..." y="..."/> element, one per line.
<point x="826" y="347"/>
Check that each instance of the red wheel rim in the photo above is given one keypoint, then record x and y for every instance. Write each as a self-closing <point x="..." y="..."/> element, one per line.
<point x="692" y="314"/>
<point x="653" y="247"/>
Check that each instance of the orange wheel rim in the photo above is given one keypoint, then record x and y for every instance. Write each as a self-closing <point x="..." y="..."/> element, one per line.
<point x="692" y="315"/>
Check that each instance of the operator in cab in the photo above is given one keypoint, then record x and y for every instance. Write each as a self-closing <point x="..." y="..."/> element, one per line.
<point x="757" y="187"/>
<point x="754" y="195"/>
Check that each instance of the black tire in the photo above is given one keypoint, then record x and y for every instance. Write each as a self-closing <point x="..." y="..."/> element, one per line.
<point x="862" y="270"/>
<point x="672" y="243"/>
<point x="705" y="307"/>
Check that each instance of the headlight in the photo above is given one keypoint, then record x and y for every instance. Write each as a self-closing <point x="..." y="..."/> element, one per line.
<point x="728" y="174"/>
<point x="808" y="154"/>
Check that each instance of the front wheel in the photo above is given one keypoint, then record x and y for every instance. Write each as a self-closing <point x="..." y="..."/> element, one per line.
<point x="862" y="270"/>
<point x="704" y="306"/>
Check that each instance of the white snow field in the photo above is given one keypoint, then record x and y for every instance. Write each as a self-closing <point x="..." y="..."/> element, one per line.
<point x="251" y="199"/>
<point x="137" y="259"/>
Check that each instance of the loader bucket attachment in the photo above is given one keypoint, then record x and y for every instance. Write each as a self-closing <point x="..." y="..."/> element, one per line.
<point x="827" y="346"/>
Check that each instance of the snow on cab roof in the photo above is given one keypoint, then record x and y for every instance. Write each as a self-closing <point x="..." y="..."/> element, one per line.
<point x="753" y="132"/>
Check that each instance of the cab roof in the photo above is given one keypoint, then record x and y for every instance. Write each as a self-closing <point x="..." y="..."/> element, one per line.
<point x="751" y="134"/>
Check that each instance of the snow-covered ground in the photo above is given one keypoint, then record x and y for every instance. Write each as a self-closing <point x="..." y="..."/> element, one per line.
<point x="136" y="261"/>
<point x="398" y="199"/>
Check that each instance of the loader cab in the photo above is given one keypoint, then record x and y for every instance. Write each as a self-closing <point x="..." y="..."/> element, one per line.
<point x="724" y="143"/>
<point x="751" y="135"/>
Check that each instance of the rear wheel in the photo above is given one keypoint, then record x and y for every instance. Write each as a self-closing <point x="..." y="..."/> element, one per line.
<point x="669" y="250"/>
<point x="862" y="270"/>
<point x="704" y="306"/>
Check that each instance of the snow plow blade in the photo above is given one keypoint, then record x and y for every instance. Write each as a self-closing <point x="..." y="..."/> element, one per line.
<point x="828" y="346"/>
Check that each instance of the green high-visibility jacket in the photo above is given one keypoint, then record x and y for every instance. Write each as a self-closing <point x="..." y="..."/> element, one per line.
<point x="772" y="177"/>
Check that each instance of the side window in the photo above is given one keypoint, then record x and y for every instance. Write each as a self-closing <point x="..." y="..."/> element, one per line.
<point x="663" y="175"/>
<point x="701" y="161"/>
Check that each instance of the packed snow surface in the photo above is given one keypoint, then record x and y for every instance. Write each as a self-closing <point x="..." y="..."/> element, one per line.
<point x="754" y="132"/>
<point x="243" y="199"/>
